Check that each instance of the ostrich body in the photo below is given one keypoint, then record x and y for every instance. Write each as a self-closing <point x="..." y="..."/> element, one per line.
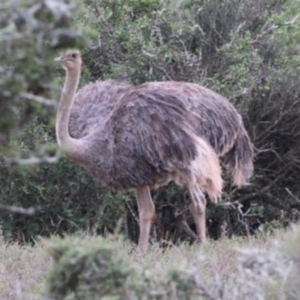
<point x="145" y="136"/>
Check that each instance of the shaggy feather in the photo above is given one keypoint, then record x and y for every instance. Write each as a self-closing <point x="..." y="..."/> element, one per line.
<point x="144" y="129"/>
<point x="87" y="114"/>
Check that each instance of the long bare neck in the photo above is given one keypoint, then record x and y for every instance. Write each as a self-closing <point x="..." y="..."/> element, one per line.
<point x="63" y="113"/>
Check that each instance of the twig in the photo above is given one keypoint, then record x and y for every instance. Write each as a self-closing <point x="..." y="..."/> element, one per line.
<point x="188" y="230"/>
<point x="68" y="220"/>
<point x="20" y="210"/>
<point x="292" y="195"/>
<point x="132" y="212"/>
<point x="149" y="54"/>
<point x="292" y="21"/>
<point x="39" y="99"/>
<point x="264" y="33"/>
<point x="241" y="25"/>
<point x="264" y="189"/>
<point x="35" y="160"/>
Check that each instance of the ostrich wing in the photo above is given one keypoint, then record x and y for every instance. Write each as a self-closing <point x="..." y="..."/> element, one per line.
<point x="92" y="105"/>
<point x="144" y="135"/>
<point x="150" y="123"/>
<point x="217" y="120"/>
<point x="149" y="132"/>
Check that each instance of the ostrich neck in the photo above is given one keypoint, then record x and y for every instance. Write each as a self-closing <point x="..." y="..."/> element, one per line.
<point x="63" y="113"/>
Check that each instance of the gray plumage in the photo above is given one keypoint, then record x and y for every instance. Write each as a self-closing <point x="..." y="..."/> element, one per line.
<point x="86" y="114"/>
<point x="146" y="125"/>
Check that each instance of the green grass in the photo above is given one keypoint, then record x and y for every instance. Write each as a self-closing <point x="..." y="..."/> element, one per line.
<point x="237" y="268"/>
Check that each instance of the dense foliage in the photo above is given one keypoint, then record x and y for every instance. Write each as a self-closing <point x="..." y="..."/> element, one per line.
<point x="30" y="33"/>
<point x="246" y="50"/>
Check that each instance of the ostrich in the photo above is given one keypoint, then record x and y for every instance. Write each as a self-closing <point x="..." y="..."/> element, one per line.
<point x="145" y="136"/>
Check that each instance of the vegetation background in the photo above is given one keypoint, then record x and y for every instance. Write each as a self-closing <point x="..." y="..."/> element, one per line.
<point x="247" y="50"/>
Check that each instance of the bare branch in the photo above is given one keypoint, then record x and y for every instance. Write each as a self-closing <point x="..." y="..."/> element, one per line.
<point x="39" y="99"/>
<point x="20" y="210"/>
<point x="235" y="34"/>
<point x="292" y="195"/>
<point x="292" y="22"/>
<point x="34" y="160"/>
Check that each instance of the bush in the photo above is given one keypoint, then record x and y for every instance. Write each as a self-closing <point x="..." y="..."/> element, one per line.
<point x="30" y="33"/>
<point x="95" y="268"/>
<point x="65" y="198"/>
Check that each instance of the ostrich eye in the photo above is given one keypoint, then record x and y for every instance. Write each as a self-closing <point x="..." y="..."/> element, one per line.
<point x="74" y="55"/>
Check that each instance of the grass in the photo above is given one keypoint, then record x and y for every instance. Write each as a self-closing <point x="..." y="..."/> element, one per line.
<point x="22" y="271"/>
<point x="241" y="266"/>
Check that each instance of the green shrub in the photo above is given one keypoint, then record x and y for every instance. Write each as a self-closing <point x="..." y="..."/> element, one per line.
<point x="97" y="268"/>
<point x="30" y="32"/>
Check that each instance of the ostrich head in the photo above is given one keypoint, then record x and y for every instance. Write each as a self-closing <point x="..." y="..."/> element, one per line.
<point x="70" y="59"/>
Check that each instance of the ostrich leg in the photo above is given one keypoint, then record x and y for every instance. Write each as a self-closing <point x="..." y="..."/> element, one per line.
<point x="197" y="208"/>
<point x="146" y="214"/>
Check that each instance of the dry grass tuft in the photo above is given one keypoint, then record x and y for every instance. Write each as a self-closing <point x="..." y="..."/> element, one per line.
<point x="22" y="271"/>
<point x="265" y="267"/>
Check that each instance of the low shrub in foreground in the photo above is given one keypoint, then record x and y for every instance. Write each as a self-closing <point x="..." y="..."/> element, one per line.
<point x="94" y="268"/>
